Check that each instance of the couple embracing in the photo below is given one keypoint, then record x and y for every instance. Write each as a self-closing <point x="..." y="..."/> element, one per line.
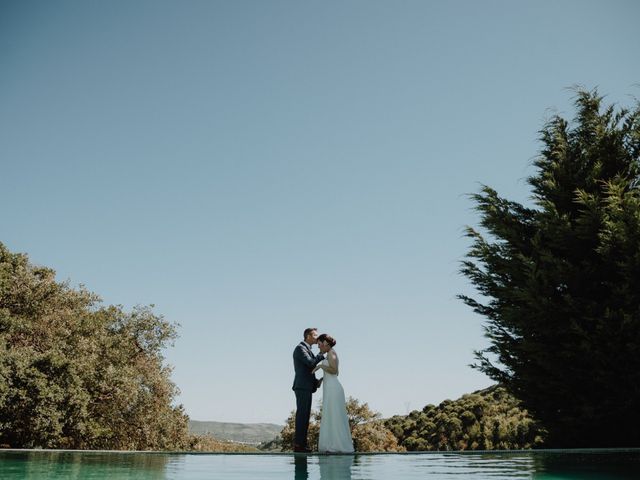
<point x="335" y="434"/>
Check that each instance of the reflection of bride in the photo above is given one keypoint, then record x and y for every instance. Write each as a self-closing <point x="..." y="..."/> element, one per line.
<point x="335" y="467"/>
<point x="335" y="433"/>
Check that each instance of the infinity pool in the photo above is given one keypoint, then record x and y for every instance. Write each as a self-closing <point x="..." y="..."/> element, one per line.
<point x="547" y="464"/>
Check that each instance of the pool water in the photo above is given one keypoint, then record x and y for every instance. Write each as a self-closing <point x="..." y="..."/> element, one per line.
<point x="541" y="464"/>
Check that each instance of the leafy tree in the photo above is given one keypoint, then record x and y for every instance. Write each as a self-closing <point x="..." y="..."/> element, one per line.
<point x="288" y="432"/>
<point x="77" y="374"/>
<point x="559" y="280"/>
<point x="367" y="429"/>
<point x="488" y="419"/>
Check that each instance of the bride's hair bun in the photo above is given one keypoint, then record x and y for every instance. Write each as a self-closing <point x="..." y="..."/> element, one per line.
<point x="325" y="337"/>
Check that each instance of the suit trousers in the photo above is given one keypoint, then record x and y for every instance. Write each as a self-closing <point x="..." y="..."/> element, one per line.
<point x="303" y="414"/>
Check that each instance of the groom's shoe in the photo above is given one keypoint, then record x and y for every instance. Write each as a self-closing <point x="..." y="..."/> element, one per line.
<point x="299" y="449"/>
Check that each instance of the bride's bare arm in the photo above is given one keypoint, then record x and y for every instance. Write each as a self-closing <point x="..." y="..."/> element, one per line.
<point x="333" y="363"/>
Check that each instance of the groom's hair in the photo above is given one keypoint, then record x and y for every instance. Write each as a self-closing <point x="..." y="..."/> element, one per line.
<point x="307" y="331"/>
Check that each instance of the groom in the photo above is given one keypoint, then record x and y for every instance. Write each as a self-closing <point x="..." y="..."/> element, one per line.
<point x="304" y="384"/>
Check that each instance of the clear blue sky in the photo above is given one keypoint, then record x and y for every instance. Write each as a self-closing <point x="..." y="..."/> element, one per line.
<point x="256" y="167"/>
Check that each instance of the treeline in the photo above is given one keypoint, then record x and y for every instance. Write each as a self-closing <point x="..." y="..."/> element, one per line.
<point x="489" y="419"/>
<point x="208" y="443"/>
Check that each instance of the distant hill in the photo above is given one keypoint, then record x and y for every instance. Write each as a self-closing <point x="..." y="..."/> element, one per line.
<point x="251" y="433"/>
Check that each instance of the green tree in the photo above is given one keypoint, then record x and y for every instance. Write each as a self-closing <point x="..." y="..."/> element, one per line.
<point x="488" y="419"/>
<point x="367" y="430"/>
<point x="559" y="280"/>
<point x="77" y="374"/>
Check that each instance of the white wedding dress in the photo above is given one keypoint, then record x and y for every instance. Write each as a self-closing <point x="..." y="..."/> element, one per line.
<point x="335" y="434"/>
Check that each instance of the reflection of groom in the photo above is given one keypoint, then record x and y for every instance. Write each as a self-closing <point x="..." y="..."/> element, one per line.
<point x="304" y="384"/>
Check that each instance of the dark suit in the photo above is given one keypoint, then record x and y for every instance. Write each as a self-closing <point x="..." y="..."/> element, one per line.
<point x="304" y="384"/>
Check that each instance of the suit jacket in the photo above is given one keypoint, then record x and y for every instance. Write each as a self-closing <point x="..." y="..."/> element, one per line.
<point x="304" y="362"/>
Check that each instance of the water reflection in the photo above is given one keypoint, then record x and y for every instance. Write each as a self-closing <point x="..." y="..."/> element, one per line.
<point x="301" y="467"/>
<point x="587" y="465"/>
<point x="82" y="465"/>
<point x="336" y="467"/>
<point x="332" y="467"/>
<point x="538" y="465"/>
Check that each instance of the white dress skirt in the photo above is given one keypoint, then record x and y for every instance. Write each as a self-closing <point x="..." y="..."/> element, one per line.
<point x="335" y="434"/>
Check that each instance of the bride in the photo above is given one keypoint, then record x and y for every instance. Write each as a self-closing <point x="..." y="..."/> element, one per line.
<point x="335" y="434"/>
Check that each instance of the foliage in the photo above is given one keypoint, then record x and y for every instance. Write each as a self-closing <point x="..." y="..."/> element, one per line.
<point x="77" y="374"/>
<point x="559" y="281"/>
<point x="208" y="443"/>
<point x="367" y="430"/>
<point x="489" y="419"/>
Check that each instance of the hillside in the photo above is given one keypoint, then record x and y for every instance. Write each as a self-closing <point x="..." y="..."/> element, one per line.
<point x="488" y="419"/>
<point x="251" y="433"/>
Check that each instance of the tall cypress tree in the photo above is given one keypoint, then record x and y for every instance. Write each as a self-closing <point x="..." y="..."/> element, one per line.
<point x="560" y="280"/>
